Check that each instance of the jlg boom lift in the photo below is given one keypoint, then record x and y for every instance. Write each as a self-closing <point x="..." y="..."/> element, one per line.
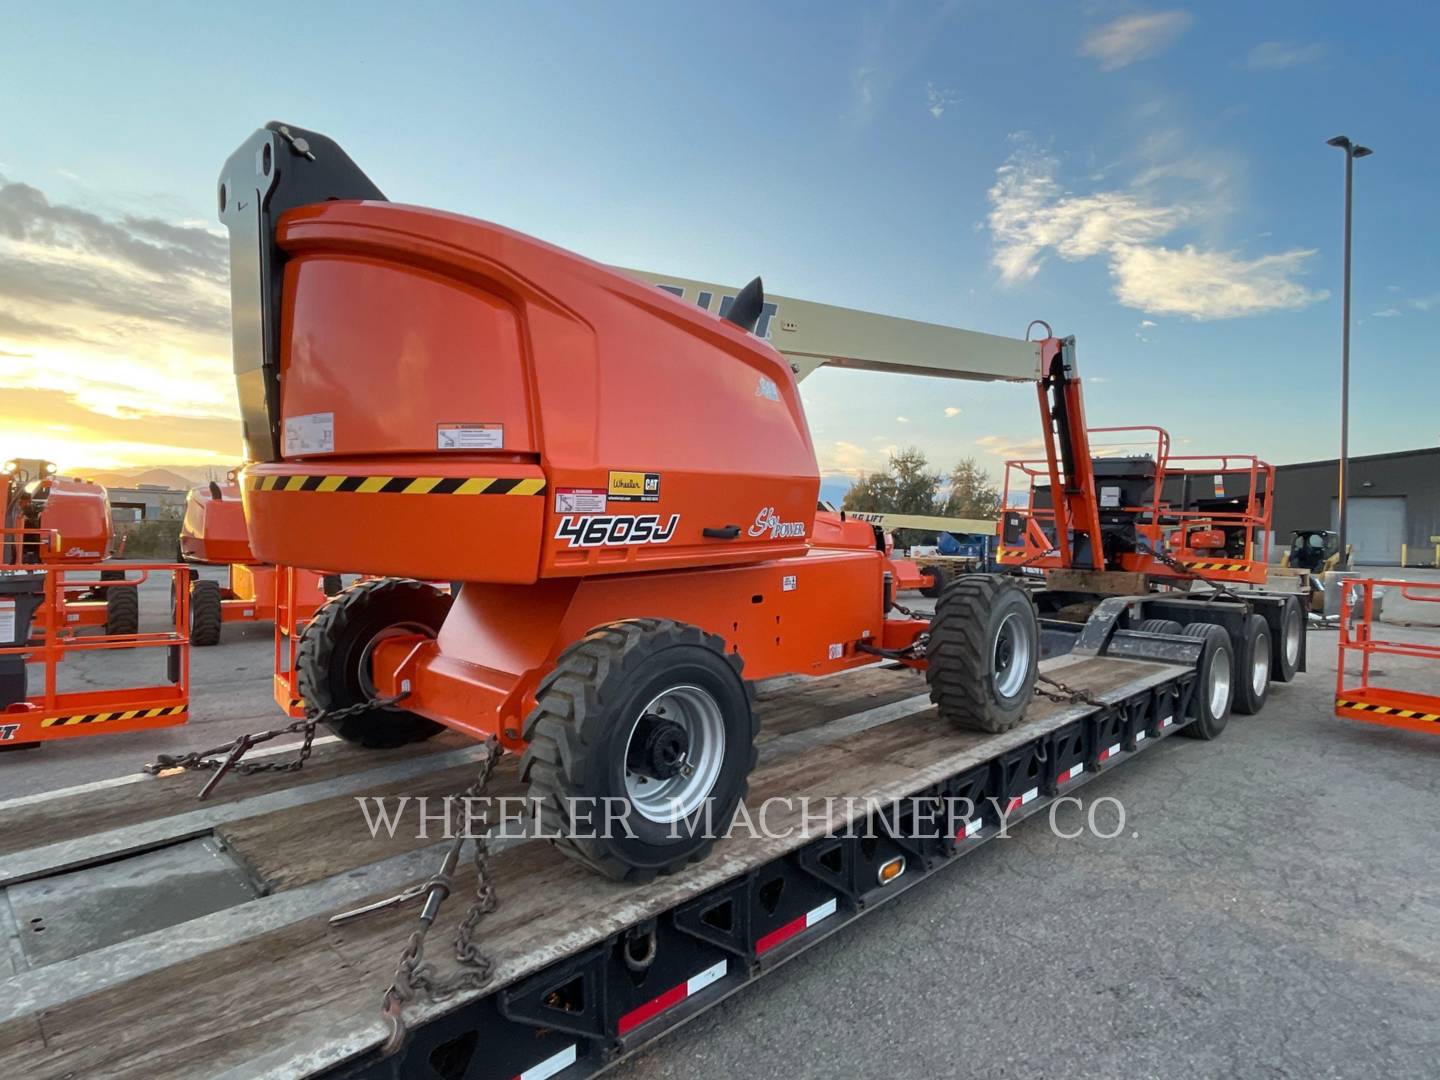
<point x="74" y="516"/>
<point x="625" y="485"/>
<point x="213" y="534"/>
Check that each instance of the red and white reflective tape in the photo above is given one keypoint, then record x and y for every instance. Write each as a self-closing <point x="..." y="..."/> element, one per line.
<point x="1110" y="751"/>
<point x="674" y="996"/>
<point x="795" y="926"/>
<point x="970" y="828"/>
<point x="1070" y="773"/>
<point x="1139" y="737"/>
<point x="1167" y="721"/>
<point x="550" y="1066"/>
<point x="1020" y="800"/>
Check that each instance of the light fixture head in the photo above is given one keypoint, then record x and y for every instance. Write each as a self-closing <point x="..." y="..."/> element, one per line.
<point x="1338" y="140"/>
<point x="1362" y="151"/>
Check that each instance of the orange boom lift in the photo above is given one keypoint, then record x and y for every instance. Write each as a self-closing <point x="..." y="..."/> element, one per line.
<point x="622" y="483"/>
<point x="74" y="516"/>
<point x="213" y="534"/>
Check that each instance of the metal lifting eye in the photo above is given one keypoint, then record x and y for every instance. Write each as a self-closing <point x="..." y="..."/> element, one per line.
<point x="1039" y="322"/>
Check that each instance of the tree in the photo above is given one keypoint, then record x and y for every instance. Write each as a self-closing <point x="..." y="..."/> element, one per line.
<point x="972" y="493"/>
<point x="905" y="486"/>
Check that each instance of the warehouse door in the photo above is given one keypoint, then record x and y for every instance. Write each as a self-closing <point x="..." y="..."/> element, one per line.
<point x="1376" y="528"/>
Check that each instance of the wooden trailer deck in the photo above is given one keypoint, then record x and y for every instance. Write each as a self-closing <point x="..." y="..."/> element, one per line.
<point x="263" y="985"/>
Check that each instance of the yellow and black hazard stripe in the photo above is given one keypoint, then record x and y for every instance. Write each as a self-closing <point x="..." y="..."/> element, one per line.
<point x="402" y="485"/>
<point x="1232" y="567"/>
<point x="1387" y="710"/>
<point x="104" y="717"/>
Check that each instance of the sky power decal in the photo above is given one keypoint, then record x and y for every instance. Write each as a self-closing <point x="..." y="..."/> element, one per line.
<point x="616" y="530"/>
<point x="768" y="523"/>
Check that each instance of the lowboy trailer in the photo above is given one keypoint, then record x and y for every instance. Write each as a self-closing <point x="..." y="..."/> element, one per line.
<point x="150" y="934"/>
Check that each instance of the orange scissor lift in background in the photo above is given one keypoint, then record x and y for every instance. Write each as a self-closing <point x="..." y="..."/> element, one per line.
<point x="1405" y="709"/>
<point x="32" y="595"/>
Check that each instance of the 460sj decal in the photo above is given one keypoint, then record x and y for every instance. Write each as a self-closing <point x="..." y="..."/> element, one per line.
<point x="616" y="530"/>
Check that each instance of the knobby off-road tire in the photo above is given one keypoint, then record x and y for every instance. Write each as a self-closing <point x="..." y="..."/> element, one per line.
<point x="206" y="612"/>
<point x="983" y="652"/>
<point x="593" y="730"/>
<point x="938" y="576"/>
<point x="1214" y="681"/>
<point x="332" y="662"/>
<point x="122" y="609"/>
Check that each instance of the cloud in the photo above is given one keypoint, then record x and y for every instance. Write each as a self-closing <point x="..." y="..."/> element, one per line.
<point x="1032" y="216"/>
<point x="123" y="317"/>
<point x="1148" y="322"/>
<point x="1276" y="55"/>
<point x="952" y="410"/>
<point x="1388" y="313"/>
<point x="1209" y="284"/>
<point x="1135" y="37"/>
<point x="938" y="99"/>
<point x="1012" y="447"/>
<point x="902" y="419"/>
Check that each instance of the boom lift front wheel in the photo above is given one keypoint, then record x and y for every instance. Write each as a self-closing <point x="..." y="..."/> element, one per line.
<point x="641" y="745"/>
<point x="332" y="661"/>
<point x="983" y="653"/>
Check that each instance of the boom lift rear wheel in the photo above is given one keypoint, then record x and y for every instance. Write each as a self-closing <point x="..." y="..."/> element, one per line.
<point x="649" y="718"/>
<point x="983" y="652"/>
<point x="122" y="609"/>
<point x="1214" y="683"/>
<point x="332" y="661"/>
<point x="206" y="612"/>
<point x="938" y="579"/>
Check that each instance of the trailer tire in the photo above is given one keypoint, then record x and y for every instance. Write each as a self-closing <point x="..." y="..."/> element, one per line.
<point x="939" y="578"/>
<point x="983" y="652"/>
<point x="207" y="612"/>
<point x="1214" y="681"/>
<point x="332" y="659"/>
<point x="1253" y="664"/>
<point x="591" y="708"/>
<point x="1160" y="626"/>
<point x="122" y="609"/>
<point x="1285" y="649"/>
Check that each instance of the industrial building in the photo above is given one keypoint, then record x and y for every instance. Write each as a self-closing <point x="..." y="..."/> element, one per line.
<point x="1394" y="504"/>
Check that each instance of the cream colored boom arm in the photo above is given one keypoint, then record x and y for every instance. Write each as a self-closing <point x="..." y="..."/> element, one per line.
<point x="925" y="522"/>
<point x="812" y="335"/>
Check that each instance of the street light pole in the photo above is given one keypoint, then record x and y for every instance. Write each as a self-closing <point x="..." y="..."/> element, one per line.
<point x="1352" y="151"/>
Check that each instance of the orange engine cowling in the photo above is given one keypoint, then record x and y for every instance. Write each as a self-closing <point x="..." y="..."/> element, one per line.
<point x="214" y="527"/>
<point x="79" y="513"/>
<point x="457" y="401"/>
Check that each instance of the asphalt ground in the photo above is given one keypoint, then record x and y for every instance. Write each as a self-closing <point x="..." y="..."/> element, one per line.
<point x="1270" y="907"/>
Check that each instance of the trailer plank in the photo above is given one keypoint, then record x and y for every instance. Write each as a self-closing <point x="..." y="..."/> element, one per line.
<point x="305" y="995"/>
<point x="280" y="848"/>
<point x="31" y="824"/>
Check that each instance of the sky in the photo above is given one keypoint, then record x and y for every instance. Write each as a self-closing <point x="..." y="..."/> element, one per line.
<point x="1152" y="180"/>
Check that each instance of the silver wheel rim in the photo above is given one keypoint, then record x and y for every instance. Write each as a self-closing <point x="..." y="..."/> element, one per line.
<point x="677" y="797"/>
<point x="1011" y="654"/>
<point x="1260" y="670"/>
<point x="367" y="681"/>
<point x="1292" y="637"/>
<point x="1218" y="684"/>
